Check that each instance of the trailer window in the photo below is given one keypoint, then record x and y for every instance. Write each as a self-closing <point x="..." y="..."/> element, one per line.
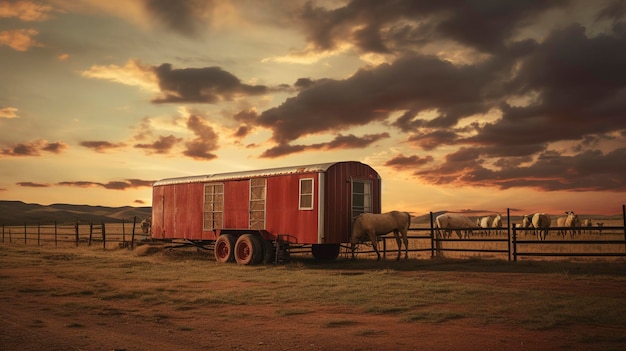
<point x="306" y="194"/>
<point x="213" y="206"/>
<point x="361" y="197"/>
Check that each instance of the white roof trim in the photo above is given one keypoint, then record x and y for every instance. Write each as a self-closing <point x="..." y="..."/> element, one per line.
<point x="208" y="178"/>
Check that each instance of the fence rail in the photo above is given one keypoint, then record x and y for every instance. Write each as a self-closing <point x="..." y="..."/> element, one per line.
<point x="76" y="233"/>
<point x="610" y="241"/>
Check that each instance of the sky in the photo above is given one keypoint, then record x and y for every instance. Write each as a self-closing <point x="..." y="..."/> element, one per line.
<point x="469" y="106"/>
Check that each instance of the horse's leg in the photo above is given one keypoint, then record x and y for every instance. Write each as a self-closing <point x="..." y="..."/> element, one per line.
<point x="405" y="237"/>
<point x="375" y="245"/>
<point x="396" y="234"/>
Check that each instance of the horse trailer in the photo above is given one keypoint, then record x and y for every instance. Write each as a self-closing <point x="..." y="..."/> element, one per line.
<point x="256" y="216"/>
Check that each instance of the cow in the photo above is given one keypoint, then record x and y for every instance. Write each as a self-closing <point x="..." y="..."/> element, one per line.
<point x="454" y="221"/>
<point x="368" y="226"/>
<point x="497" y="223"/>
<point x="600" y="227"/>
<point x="485" y="223"/>
<point x="588" y="224"/>
<point x="569" y="221"/>
<point x="541" y="222"/>
<point x="527" y="223"/>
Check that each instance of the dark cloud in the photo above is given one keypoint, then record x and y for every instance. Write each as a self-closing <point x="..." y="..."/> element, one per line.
<point x="201" y="85"/>
<point x="416" y="83"/>
<point x="162" y="145"/>
<point x="32" y="185"/>
<point x="139" y="202"/>
<point x="432" y="139"/>
<point x="591" y="170"/>
<point x="179" y="15"/>
<point x="400" y="25"/>
<point x="579" y="86"/>
<point x="112" y="185"/>
<point x="205" y="142"/>
<point x="246" y="118"/>
<point x="101" y="146"/>
<point x="340" y="142"/>
<point x="403" y="163"/>
<point x="33" y="148"/>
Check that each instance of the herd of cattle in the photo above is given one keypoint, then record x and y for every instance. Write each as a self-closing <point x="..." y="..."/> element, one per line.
<point x="537" y="224"/>
<point x="368" y="226"/>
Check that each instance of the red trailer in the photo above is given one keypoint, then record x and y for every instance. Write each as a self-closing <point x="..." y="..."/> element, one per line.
<point x="252" y="216"/>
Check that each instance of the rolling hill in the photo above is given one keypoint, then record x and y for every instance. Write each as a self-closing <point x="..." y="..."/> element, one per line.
<point x="18" y="213"/>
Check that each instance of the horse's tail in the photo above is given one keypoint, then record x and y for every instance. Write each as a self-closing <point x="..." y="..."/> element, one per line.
<point x="408" y="222"/>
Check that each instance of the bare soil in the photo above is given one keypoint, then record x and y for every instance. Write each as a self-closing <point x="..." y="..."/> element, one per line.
<point x="31" y="318"/>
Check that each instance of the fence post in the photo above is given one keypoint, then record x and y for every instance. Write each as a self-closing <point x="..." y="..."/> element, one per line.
<point x="3" y="233"/>
<point x="90" y="233"/>
<point x="123" y="233"/>
<point x="55" y="233"/>
<point x="104" y="240"/>
<point x="624" y="224"/>
<point x="132" y="236"/>
<point x="514" y="245"/>
<point x="432" y="237"/>
<point x="38" y="233"/>
<point x="508" y="230"/>
<point x="76" y="231"/>
<point x="24" y="233"/>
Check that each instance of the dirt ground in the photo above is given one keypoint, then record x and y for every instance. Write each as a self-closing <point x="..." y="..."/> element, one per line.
<point x="31" y="320"/>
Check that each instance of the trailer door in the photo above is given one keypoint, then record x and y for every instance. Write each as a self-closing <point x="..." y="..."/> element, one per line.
<point x="257" y="203"/>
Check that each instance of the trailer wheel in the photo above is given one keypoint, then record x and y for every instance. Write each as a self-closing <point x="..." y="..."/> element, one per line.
<point x="325" y="252"/>
<point x="268" y="251"/>
<point x="224" y="248"/>
<point x="248" y="249"/>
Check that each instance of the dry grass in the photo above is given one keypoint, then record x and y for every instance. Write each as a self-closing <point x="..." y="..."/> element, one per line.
<point x="187" y="281"/>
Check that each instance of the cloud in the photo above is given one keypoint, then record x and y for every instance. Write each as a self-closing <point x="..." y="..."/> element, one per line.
<point x="26" y="11"/>
<point x="340" y="142"/>
<point x="415" y="82"/>
<point x="206" y="139"/>
<point x="101" y="146"/>
<point x="33" y="148"/>
<point x="139" y="202"/>
<point x="591" y="170"/>
<point x="201" y="85"/>
<point x="377" y="27"/>
<point x="112" y="185"/>
<point x="133" y="73"/>
<point x="402" y="162"/>
<point x="162" y="145"/>
<point x="19" y="39"/>
<point x="8" y="112"/>
<point x="182" y="16"/>
<point x="33" y="185"/>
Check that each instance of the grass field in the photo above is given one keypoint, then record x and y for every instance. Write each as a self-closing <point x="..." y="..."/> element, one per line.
<point x="152" y="297"/>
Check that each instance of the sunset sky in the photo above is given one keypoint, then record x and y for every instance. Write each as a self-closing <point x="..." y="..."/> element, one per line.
<point x="475" y="105"/>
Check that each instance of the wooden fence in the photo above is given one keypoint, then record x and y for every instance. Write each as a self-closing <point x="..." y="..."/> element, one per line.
<point x="514" y="243"/>
<point x="606" y="241"/>
<point x="124" y="233"/>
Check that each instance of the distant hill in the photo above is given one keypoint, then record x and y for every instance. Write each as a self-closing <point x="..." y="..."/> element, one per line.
<point x="18" y="213"/>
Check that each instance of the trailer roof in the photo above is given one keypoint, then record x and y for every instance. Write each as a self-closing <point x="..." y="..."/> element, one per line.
<point x="321" y="167"/>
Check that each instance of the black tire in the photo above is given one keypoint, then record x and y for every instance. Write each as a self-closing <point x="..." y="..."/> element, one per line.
<point x="224" y="248"/>
<point x="248" y="249"/>
<point x="269" y="255"/>
<point x="325" y="252"/>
